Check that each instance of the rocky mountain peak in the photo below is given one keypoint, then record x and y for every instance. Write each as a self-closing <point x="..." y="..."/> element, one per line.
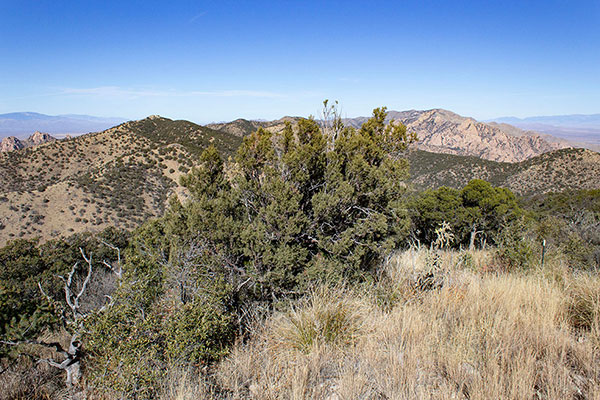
<point x="39" y="137"/>
<point x="10" y="143"/>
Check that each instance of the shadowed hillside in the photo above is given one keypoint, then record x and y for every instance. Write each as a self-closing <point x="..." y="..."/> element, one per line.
<point x="566" y="169"/>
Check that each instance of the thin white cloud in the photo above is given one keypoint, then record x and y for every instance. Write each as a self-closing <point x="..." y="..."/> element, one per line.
<point x="196" y="17"/>
<point x="116" y="91"/>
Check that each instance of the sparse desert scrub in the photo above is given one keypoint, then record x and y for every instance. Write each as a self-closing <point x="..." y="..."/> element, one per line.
<point x="476" y="335"/>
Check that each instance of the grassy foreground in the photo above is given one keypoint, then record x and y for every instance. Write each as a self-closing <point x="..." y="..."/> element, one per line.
<point x="441" y="325"/>
<point x="435" y="325"/>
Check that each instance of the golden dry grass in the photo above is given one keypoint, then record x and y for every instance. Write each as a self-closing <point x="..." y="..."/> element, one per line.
<point x="184" y="384"/>
<point x="470" y="335"/>
<point x="437" y="325"/>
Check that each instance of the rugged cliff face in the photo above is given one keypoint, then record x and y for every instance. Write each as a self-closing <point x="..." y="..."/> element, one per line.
<point x="442" y="131"/>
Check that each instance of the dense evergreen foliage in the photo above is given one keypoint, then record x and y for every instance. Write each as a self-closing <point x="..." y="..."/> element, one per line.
<point x="24" y="312"/>
<point x="570" y="223"/>
<point x="301" y="205"/>
<point x="478" y="209"/>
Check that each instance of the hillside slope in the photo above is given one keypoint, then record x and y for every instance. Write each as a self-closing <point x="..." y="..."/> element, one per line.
<point x="124" y="175"/>
<point x="242" y="127"/>
<point x="118" y="177"/>
<point x="565" y="169"/>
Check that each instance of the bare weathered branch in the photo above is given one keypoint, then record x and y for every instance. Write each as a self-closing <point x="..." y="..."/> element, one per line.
<point x="50" y="300"/>
<point x="117" y="271"/>
<point x="115" y="248"/>
<point x="87" y="278"/>
<point x="71" y="356"/>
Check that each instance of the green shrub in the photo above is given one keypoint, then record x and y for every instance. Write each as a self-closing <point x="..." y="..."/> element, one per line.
<point x="478" y="207"/>
<point x="516" y="247"/>
<point x="125" y="353"/>
<point x="130" y="344"/>
<point x="199" y="333"/>
<point x="302" y="205"/>
<point x="23" y="310"/>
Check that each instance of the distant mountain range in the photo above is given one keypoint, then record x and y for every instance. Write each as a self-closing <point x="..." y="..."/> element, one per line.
<point x="442" y="131"/>
<point x="23" y="124"/>
<point x="124" y="175"/>
<point x="575" y="127"/>
<point x="572" y="120"/>
<point x="558" y="131"/>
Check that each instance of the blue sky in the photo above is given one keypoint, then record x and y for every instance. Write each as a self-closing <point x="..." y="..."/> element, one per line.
<point x="220" y="60"/>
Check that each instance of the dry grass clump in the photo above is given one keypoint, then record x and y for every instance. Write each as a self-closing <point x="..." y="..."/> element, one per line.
<point x="582" y="304"/>
<point x="185" y="384"/>
<point x="409" y="275"/>
<point x="24" y="380"/>
<point x="312" y="336"/>
<point x="470" y="335"/>
<point x="327" y="317"/>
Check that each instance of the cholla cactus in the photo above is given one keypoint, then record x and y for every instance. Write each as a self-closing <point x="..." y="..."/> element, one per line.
<point x="444" y="236"/>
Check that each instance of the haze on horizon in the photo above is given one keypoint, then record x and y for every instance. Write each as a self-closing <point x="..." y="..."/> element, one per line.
<point x="216" y="61"/>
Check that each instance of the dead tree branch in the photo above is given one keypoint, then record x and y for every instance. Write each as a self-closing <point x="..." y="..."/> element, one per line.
<point x="71" y="357"/>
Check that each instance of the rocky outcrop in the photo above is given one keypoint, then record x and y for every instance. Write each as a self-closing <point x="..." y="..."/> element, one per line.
<point x="39" y="138"/>
<point x="12" y="143"/>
